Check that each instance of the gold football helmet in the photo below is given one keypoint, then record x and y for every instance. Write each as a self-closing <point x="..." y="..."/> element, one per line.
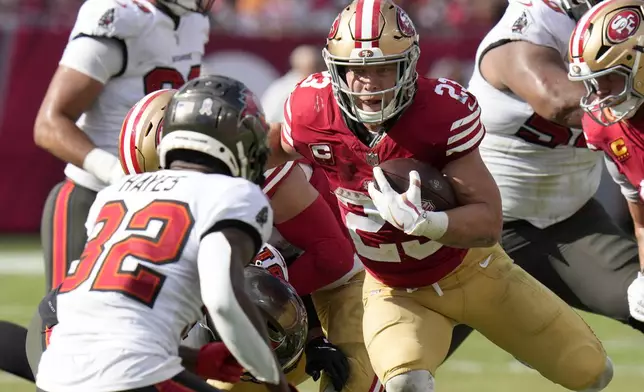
<point x="608" y="42"/>
<point x="372" y="32"/>
<point x="141" y="133"/>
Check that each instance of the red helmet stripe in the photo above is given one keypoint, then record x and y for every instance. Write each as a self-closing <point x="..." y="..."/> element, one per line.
<point x="358" y="23"/>
<point x="375" y="22"/>
<point x="123" y="146"/>
<point x="577" y="42"/>
<point x="367" y="23"/>
<point x="132" y="125"/>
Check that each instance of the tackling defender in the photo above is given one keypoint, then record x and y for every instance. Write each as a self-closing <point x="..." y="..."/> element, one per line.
<point x="124" y="305"/>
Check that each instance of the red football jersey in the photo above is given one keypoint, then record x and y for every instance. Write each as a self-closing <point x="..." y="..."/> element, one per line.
<point x="441" y="125"/>
<point x="623" y="142"/>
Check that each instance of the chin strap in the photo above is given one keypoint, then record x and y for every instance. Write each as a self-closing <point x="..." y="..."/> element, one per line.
<point x="374" y="117"/>
<point x="626" y="109"/>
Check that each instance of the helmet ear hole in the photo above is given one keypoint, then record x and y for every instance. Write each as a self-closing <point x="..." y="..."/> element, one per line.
<point x="603" y="49"/>
<point x="147" y="131"/>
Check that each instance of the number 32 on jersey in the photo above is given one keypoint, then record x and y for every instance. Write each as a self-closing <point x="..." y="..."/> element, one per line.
<point x="118" y="264"/>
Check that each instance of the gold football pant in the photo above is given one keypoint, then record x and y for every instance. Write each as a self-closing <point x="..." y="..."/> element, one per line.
<point x="410" y="329"/>
<point x="340" y="312"/>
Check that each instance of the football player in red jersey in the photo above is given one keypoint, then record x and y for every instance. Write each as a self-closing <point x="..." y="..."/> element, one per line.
<point x="427" y="270"/>
<point x="606" y="54"/>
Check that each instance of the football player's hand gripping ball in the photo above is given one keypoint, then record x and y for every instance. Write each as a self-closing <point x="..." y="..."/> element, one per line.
<point x="404" y="210"/>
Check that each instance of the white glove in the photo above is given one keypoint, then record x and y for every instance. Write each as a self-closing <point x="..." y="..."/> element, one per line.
<point x="636" y="298"/>
<point x="404" y="210"/>
<point x="103" y="165"/>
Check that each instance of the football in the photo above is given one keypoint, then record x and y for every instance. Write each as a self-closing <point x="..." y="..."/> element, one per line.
<point x="436" y="192"/>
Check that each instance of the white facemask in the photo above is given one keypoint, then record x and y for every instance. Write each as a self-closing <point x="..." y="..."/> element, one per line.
<point x="372" y="117"/>
<point x="626" y="109"/>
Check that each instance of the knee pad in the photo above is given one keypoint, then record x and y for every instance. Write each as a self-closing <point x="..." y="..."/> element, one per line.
<point x="413" y="381"/>
<point x="603" y="380"/>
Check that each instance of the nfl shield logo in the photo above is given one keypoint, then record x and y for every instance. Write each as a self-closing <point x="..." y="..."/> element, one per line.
<point x="372" y="159"/>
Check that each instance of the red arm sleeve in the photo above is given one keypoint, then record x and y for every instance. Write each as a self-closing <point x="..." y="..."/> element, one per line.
<point x="328" y="254"/>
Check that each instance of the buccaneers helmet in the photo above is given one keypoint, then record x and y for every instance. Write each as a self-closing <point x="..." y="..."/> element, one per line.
<point x="272" y="260"/>
<point x="283" y="311"/>
<point x="216" y="117"/>
<point x="180" y="7"/>
<point x="608" y="41"/>
<point x="141" y="133"/>
<point x="372" y="33"/>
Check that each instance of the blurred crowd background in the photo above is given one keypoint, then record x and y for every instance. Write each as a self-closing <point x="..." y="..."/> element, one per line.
<point x="284" y="17"/>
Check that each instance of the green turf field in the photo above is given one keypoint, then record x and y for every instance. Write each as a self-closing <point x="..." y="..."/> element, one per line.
<point x="477" y="367"/>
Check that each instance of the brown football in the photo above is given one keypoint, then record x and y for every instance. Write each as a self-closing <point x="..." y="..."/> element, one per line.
<point x="436" y="192"/>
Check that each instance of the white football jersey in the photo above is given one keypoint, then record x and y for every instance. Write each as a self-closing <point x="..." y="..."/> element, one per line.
<point x="158" y="55"/>
<point x="543" y="170"/>
<point x="126" y="304"/>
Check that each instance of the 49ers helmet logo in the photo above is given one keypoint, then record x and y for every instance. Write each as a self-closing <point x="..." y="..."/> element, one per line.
<point x="405" y="25"/>
<point x="334" y="27"/>
<point x="622" y="26"/>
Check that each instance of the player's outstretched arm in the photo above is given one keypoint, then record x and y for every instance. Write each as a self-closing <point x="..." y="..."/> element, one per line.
<point x="304" y="219"/>
<point x="479" y="220"/>
<point x="221" y="260"/>
<point x="86" y="66"/>
<point x="538" y="75"/>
